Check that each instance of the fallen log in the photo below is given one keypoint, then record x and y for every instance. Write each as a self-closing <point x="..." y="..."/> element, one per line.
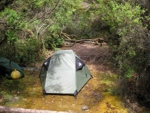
<point x="96" y="41"/>
<point x="4" y="109"/>
<point x="67" y="36"/>
<point x="82" y="40"/>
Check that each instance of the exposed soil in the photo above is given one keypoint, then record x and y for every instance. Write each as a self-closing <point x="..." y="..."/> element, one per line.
<point x="97" y="96"/>
<point x="93" y="55"/>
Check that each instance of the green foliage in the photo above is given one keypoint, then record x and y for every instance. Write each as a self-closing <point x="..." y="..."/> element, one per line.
<point x="28" y="23"/>
<point x="62" y="15"/>
<point x="120" y="17"/>
<point x="36" y="4"/>
<point x="81" y="22"/>
<point x="129" y="40"/>
<point x="28" y="50"/>
<point x="35" y="25"/>
<point x="12" y="20"/>
<point x="53" y="42"/>
<point x="127" y="33"/>
<point x="129" y="73"/>
<point x="10" y="15"/>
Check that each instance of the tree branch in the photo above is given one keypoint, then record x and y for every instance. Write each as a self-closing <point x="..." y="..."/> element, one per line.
<point x="54" y="7"/>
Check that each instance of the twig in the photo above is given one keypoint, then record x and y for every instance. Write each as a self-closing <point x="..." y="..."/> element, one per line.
<point x="54" y="7"/>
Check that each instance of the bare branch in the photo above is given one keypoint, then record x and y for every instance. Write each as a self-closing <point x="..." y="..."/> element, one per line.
<point x="54" y="7"/>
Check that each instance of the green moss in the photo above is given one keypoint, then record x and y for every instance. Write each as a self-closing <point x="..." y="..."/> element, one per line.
<point x="96" y="94"/>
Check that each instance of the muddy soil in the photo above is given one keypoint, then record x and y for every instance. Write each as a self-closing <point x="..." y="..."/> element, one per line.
<point x="93" y="55"/>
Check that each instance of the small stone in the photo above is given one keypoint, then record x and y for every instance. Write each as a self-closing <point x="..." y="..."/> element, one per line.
<point x="16" y="98"/>
<point x="85" y="108"/>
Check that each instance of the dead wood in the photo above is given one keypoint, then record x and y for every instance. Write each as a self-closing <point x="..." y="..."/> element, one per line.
<point x="84" y="40"/>
<point x="96" y="41"/>
<point x="67" y="36"/>
<point x="69" y="42"/>
<point x="4" y="109"/>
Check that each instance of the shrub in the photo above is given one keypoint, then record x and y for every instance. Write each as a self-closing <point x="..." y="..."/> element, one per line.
<point x="53" y="42"/>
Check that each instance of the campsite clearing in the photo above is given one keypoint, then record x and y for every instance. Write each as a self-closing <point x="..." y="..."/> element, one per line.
<point x="99" y="95"/>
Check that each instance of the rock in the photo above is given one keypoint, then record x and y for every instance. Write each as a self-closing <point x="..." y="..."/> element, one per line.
<point x="84" y="107"/>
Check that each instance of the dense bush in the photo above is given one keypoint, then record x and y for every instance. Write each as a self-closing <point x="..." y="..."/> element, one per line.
<point x="129" y="40"/>
<point x="53" y="42"/>
<point x="27" y="27"/>
<point x="127" y="36"/>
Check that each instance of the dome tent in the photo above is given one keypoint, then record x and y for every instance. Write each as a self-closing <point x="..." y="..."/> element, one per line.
<point x="64" y="73"/>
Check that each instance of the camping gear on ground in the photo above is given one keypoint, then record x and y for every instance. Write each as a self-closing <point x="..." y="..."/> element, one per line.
<point x="64" y="73"/>
<point x="15" y="74"/>
<point x="7" y="67"/>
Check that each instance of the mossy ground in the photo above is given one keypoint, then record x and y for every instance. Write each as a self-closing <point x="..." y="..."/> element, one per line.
<point x="99" y="94"/>
<point x="27" y="93"/>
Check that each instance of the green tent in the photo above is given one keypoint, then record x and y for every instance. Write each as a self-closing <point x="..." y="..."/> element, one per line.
<point x="7" y="66"/>
<point x="64" y="73"/>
